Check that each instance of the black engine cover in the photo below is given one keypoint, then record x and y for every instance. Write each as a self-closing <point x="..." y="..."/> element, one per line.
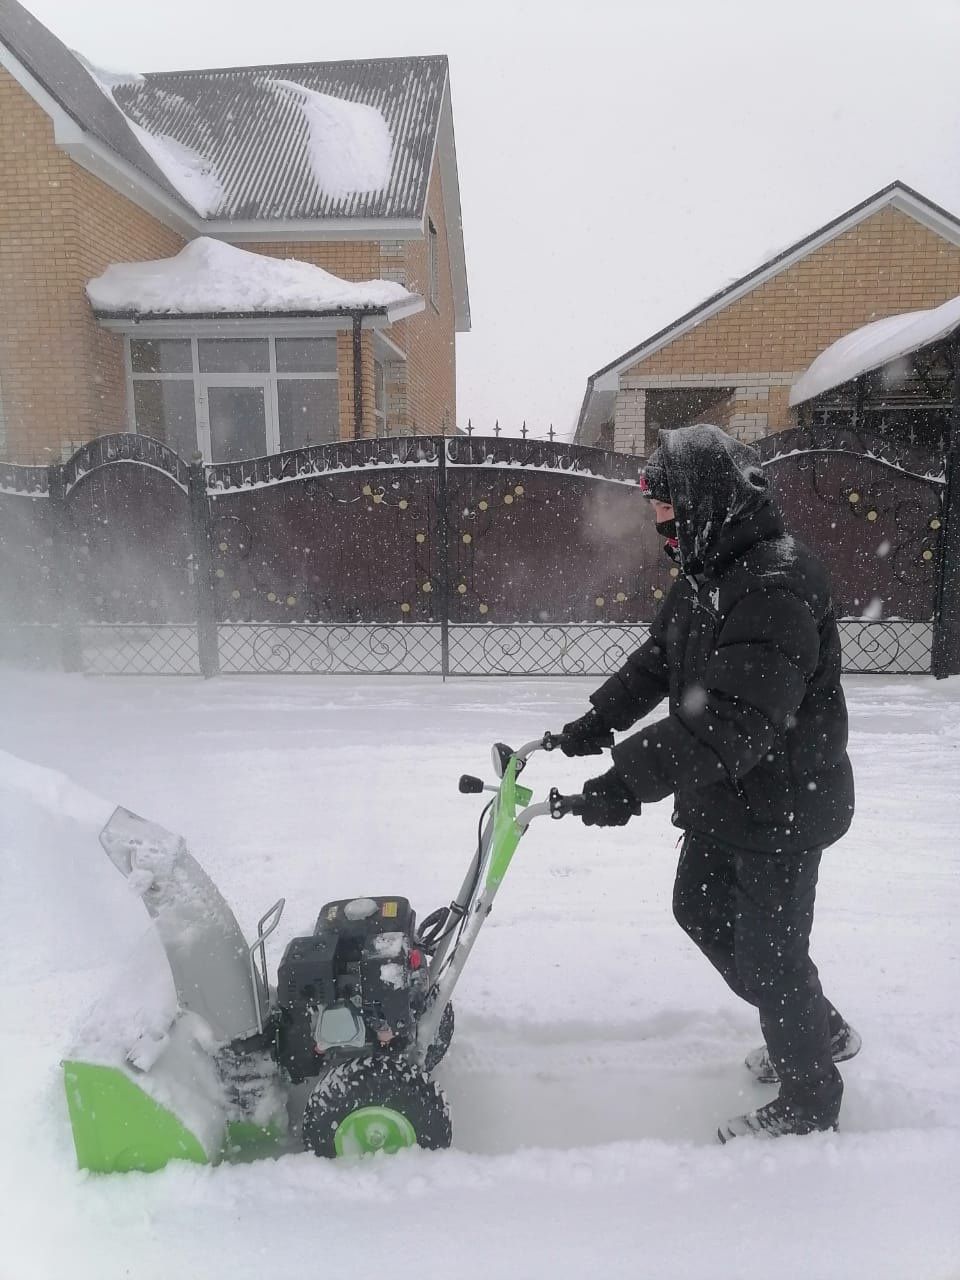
<point x="358" y="953"/>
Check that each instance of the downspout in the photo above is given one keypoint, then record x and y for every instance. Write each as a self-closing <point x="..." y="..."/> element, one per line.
<point x="357" y="378"/>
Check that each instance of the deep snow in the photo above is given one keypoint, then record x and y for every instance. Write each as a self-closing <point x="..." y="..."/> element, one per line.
<point x="596" y="1050"/>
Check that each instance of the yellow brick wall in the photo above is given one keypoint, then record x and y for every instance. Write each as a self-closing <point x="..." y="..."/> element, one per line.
<point x="61" y="376"/>
<point x="429" y="338"/>
<point x="887" y="264"/>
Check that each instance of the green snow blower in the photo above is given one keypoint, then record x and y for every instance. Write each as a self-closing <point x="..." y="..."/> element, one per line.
<point x="196" y="1057"/>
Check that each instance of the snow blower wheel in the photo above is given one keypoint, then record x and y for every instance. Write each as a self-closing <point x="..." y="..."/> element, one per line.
<point x="367" y="1105"/>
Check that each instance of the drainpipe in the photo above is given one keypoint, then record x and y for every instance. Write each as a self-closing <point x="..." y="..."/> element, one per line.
<point x="357" y="379"/>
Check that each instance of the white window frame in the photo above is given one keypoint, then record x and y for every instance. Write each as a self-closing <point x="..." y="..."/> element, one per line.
<point x="202" y="381"/>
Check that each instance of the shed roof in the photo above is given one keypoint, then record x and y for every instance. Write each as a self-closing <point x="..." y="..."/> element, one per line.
<point x="874" y="345"/>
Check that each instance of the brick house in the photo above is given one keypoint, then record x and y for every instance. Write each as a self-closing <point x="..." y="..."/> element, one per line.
<point x="733" y="359"/>
<point x="101" y="169"/>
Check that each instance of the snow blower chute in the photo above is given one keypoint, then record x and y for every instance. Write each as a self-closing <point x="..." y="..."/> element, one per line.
<point x="192" y="1057"/>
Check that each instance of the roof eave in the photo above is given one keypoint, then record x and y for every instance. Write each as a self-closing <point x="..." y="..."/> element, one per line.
<point x="370" y="317"/>
<point x="445" y="152"/>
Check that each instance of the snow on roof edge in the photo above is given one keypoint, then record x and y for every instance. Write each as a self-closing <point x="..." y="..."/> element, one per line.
<point x="210" y="276"/>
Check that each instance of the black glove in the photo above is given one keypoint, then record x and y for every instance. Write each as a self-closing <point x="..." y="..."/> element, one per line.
<point x="609" y="801"/>
<point x="586" y="736"/>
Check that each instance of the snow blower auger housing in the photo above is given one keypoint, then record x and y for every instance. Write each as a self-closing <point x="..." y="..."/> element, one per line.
<point x="197" y="1062"/>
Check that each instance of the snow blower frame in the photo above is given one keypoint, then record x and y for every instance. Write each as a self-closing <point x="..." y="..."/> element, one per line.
<point x="363" y="1005"/>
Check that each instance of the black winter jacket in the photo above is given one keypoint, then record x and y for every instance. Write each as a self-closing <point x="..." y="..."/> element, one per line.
<point x="747" y="650"/>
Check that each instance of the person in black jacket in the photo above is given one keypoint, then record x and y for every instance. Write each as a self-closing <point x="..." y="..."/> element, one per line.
<point x="753" y="751"/>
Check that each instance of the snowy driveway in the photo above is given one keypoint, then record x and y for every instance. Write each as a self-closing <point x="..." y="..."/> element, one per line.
<point x="596" y="1050"/>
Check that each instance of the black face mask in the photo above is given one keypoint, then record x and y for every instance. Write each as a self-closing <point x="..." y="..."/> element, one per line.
<point x="667" y="528"/>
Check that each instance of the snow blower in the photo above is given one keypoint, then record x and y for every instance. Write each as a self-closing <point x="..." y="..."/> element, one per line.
<point x="197" y="1058"/>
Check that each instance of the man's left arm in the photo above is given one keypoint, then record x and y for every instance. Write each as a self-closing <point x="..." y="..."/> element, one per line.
<point x="766" y="652"/>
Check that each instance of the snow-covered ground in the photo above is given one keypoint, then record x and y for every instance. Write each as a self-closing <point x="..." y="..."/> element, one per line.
<point x="596" y="1050"/>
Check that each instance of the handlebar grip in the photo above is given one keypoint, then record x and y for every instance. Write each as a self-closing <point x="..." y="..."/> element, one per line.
<point x="560" y="805"/>
<point x="470" y="786"/>
<point x="555" y="741"/>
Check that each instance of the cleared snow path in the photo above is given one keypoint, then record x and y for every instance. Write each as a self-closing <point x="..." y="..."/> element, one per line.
<point x="596" y="1050"/>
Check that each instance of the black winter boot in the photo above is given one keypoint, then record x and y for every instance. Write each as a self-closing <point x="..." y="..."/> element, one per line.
<point x="776" y="1120"/>
<point x="845" y="1043"/>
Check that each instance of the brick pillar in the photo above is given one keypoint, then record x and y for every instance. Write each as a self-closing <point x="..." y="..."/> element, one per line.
<point x="630" y="421"/>
<point x="748" y="421"/>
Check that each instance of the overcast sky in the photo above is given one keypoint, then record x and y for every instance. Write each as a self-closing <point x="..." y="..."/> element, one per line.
<point x="618" y="161"/>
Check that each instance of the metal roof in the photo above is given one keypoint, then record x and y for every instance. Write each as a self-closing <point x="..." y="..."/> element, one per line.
<point x="256" y="138"/>
<point x="64" y="77"/>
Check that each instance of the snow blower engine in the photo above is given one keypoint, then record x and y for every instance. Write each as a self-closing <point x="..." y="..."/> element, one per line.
<point x="360" y="980"/>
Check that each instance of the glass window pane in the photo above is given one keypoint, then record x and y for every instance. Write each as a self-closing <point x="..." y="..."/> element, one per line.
<point x="161" y="355"/>
<point x="167" y="411"/>
<point x="234" y="355"/>
<point x="309" y="412"/>
<point x="306" y="355"/>
<point x="238" y="423"/>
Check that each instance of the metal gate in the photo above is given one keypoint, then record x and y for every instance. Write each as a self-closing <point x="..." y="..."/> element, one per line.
<point x="421" y="555"/>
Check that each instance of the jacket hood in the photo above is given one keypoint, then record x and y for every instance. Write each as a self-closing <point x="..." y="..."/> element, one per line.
<point x="714" y="482"/>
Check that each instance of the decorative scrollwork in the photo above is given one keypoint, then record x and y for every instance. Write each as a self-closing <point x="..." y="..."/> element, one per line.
<point x="104" y="451"/>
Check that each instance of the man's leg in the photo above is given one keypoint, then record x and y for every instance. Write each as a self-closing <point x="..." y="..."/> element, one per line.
<point x="774" y="913"/>
<point x="705" y="907"/>
<point x="704" y="904"/>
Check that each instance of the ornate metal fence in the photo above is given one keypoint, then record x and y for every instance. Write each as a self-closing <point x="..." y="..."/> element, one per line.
<point x="423" y="555"/>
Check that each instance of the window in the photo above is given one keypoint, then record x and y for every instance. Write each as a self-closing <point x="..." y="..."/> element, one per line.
<point x="234" y="355"/>
<point x="235" y="397"/>
<point x="166" y="410"/>
<point x="308" y="411"/>
<point x="433" y="243"/>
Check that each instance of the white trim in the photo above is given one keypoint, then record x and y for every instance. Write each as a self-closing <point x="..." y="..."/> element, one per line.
<point x="397" y="311"/>
<point x="445" y="150"/>
<point x="387" y="349"/>
<point x="897" y="199"/>
<point x="264" y="229"/>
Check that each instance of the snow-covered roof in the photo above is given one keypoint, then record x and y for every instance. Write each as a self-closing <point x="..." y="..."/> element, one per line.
<point x="304" y="140"/>
<point x="210" y="277"/>
<point x="873" y="346"/>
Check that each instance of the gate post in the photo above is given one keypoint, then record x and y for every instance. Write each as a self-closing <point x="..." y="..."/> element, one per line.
<point x="945" y="654"/>
<point x="443" y="559"/>
<point x="71" y="651"/>
<point x="208" y="651"/>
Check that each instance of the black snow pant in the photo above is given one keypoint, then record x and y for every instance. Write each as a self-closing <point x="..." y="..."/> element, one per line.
<point x="751" y="914"/>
